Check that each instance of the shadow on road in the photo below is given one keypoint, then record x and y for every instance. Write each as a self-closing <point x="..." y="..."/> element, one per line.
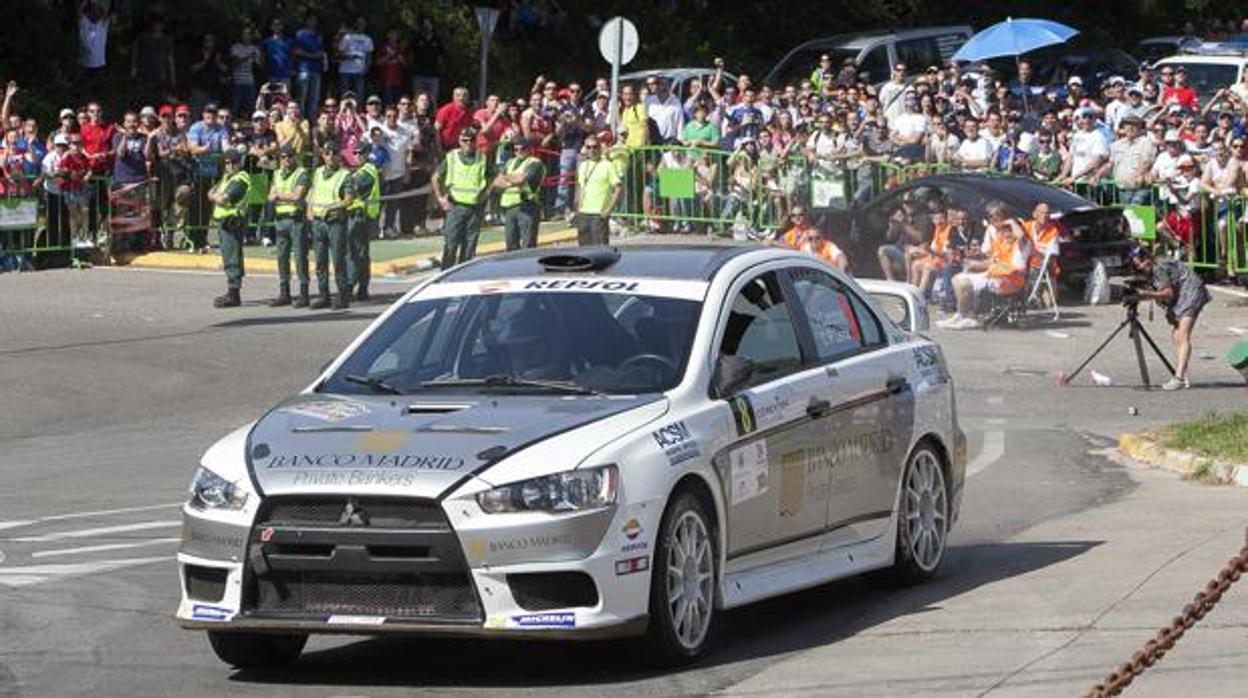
<point x="791" y="623"/>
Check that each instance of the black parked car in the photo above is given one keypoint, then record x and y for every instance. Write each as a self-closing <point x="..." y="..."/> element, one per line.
<point x="1088" y="232"/>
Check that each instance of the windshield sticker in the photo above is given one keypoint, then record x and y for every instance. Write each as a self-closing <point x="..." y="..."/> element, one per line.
<point x="328" y="410"/>
<point x="668" y="288"/>
<point x="676" y="442"/>
<point x="750" y="472"/>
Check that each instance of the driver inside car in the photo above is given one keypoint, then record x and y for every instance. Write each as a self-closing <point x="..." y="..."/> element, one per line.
<point x="528" y="348"/>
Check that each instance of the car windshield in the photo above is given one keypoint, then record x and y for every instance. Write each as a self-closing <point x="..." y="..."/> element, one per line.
<point x="542" y="342"/>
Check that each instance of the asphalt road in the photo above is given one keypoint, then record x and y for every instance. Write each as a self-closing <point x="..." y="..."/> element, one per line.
<point x="114" y="381"/>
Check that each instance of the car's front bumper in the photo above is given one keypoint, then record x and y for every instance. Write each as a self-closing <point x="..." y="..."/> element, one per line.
<point x="492" y="552"/>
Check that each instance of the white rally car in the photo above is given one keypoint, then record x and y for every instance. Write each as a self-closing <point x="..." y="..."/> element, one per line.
<point x="582" y="443"/>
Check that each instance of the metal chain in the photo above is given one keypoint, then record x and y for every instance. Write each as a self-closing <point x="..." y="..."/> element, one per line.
<point x="1156" y="648"/>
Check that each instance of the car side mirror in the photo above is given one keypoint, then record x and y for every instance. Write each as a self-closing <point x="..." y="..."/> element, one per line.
<point x="731" y="373"/>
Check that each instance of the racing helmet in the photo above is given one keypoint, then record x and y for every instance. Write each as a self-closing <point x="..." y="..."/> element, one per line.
<point x="522" y="342"/>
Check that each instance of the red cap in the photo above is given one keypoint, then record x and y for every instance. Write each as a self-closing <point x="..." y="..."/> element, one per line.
<point x="182" y="109"/>
<point x="166" y="110"/>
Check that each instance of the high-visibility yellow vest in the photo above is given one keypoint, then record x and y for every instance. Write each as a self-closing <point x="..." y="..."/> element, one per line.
<point x="370" y="204"/>
<point x="325" y="189"/>
<point x="596" y="179"/>
<point x="284" y="185"/>
<point x="523" y="192"/>
<point x="465" y="180"/>
<point x="223" y="211"/>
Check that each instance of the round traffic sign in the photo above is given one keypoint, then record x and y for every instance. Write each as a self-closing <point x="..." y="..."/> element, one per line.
<point x="618" y="38"/>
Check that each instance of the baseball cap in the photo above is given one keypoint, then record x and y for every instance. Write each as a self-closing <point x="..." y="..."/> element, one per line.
<point x="1138" y="251"/>
<point x="1135" y="87"/>
<point x="363" y="147"/>
<point x="60" y="139"/>
<point x="1085" y="111"/>
<point x="521" y="142"/>
<point x="211" y="106"/>
<point x="166" y="110"/>
<point x="147" y="111"/>
<point x="182" y="109"/>
<point x="1116" y="80"/>
<point x="286" y="150"/>
<point x="232" y="155"/>
<point x="1172" y="136"/>
<point x="373" y="99"/>
<point x="329" y="146"/>
<point x="1133" y="120"/>
<point x="1184" y="161"/>
<point x="1175" y="109"/>
<point x="259" y="114"/>
<point x="66" y="112"/>
<point x="1075" y="80"/>
<point x="468" y="132"/>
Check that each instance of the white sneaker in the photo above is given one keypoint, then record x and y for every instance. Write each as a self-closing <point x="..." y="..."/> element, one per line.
<point x="966" y="323"/>
<point x="950" y="321"/>
<point x="267" y="242"/>
<point x="1176" y="383"/>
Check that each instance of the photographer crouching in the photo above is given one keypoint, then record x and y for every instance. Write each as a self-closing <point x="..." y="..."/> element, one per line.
<point x="1181" y="292"/>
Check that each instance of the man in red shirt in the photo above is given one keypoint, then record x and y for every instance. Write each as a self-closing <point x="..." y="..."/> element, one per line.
<point x="452" y="118"/>
<point x="97" y="144"/>
<point x="492" y="122"/>
<point x="1180" y="93"/>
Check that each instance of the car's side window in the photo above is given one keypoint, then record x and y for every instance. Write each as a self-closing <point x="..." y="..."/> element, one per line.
<point x="840" y="323"/>
<point x="760" y="328"/>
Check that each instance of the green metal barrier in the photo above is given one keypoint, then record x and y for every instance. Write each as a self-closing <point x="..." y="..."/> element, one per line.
<point x="25" y="214"/>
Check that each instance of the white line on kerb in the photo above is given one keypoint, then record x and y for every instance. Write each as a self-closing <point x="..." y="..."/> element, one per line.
<point x="86" y="515"/>
<point x="102" y="548"/>
<point x="89" y="532"/>
<point x="991" y="452"/>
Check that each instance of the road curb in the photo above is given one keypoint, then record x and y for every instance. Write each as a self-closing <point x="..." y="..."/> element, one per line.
<point x="390" y="267"/>
<point x="1144" y="448"/>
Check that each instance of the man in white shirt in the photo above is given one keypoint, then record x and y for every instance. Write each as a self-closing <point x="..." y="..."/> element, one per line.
<point x="890" y="93"/>
<point x="1088" y="149"/>
<point x="355" y="53"/>
<point x="665" y="108"/>
<point x="975" y="152"/>
<point x="1166" y="166"/>
<point x="908" y="130"/>
<point x="1114" y="108"/>
<point x="397" y="140"/>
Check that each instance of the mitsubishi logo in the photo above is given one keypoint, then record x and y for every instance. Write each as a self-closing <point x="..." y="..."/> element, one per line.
<point x="353" y="514"/>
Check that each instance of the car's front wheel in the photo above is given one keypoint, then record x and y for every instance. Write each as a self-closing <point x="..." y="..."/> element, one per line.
<point x="256" y="650"/>
<point x="922" y="517"/>
<point x="682" y="586"/>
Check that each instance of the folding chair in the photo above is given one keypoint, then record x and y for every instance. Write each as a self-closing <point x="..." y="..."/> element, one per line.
<point x="1044" y="280"/>
<point x="1005" y="309"/>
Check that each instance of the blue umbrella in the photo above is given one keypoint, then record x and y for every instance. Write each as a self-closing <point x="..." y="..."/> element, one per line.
<point x="1013" y="37"/>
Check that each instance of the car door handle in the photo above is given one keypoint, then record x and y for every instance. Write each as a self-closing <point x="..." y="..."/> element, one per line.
<point x="818" y="407"/>
<point x="896" y="385"/>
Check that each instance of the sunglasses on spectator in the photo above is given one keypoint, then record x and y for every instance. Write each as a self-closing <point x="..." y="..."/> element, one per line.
<point x="591" y="146"/>
<point x="405" y="102"/>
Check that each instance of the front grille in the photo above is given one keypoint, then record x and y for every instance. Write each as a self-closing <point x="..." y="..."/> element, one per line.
<point x="378" y="556"/>
<point x="205" y="583"/>
<point x="544" y="591"/>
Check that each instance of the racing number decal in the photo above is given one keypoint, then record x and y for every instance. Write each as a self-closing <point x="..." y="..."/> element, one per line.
<point x="742" y="414"/>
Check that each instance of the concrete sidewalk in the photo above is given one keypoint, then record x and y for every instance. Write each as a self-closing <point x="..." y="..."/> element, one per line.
<point x="1058" y="628"/>
<point x="396" y="266"/>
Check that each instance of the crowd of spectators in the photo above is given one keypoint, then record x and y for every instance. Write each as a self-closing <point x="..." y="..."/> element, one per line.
<point x="300" y="86"/>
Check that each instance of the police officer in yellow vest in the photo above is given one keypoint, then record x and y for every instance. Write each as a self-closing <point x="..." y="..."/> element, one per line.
<point x="597" y="190"/>
<point x="363" y="199"/>
<point x="290" y="225"/>
<point x="520" y="182"/>
<point x="229" y="216"/>
<point x="459" y="185"/>
<point x="327" y="214"/>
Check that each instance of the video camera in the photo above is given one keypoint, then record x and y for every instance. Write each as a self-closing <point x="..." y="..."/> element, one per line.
<point x="1130" y="288"/>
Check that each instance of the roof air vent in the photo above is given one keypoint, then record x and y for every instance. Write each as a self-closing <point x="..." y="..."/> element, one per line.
<point x="587" y="259"/>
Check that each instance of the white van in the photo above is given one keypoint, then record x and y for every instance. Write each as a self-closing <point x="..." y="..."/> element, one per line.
<point x="1209" y="67"/>
<point x="873" y="52"/>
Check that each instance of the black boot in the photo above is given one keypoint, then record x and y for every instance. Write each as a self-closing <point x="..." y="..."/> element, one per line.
<point x="283" y="296"/>
<point x="229" y="300"/>
<point x="361" y="293"/>
<point x="302" y="300"/>
<point x="342" y="301"/>
<point x="322" y="300"/>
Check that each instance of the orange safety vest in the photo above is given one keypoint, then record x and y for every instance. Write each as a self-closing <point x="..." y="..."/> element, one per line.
<point x="940" y="244"/>
<point x="1042" y="241"/>
<point x="1008" y="267"/>
<point x="798" y="236"/>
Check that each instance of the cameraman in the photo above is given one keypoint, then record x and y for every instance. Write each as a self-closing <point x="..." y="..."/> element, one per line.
<point x="1181" y="293"/>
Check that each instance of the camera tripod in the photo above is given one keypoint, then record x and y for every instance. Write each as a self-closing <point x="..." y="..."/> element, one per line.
<point x="1135" y="331"/>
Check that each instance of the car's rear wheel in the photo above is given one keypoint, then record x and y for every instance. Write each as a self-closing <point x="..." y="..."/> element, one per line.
<point x="682" y="586"/>
<point x="256" y="650"/>
<point x="922" y="517"/>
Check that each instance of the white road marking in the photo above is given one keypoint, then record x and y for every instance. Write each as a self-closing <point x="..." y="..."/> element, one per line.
<point x="89" y="532"/>
<point x="102" y="548"/>
<point x="35" y="574"/>
<point x="1237" y="331"/>
<point x="991" y="452"/>
<point x="1057" y="335"/>
<point x="86" y="515"/>
<point x="1228" y="291"/>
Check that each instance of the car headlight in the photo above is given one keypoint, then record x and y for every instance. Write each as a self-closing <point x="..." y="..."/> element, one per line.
<point x="574" y="490"/>
<point x="211" y="491"/>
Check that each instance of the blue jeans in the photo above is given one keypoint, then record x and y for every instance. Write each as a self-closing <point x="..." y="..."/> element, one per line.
<point x="308" y="93"/>
<point x="242" y="99"/>
<point x="1143" y="196"/>
<point x="352" y="82"/>
<point x="567" y="178"/>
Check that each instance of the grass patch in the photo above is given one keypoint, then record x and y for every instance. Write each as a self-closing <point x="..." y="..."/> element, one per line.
<point x="1223" y="437"/>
